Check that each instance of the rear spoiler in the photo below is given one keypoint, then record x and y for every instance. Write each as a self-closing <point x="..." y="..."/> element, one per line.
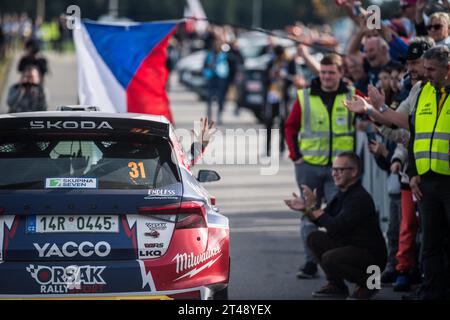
<point x="102" y="125"/>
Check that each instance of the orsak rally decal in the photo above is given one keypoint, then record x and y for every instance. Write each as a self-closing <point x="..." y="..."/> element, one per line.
<point x="71" y="279"/>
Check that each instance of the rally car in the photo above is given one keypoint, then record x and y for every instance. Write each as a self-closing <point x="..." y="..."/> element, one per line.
<point x="104" y="206"/>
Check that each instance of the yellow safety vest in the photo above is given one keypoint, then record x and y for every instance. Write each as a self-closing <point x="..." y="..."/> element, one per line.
<point x="318" y="134"/>
<point x="432" y="133"/>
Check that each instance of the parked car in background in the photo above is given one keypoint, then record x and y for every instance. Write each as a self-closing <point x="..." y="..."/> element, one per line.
<point x="190" y="72"/>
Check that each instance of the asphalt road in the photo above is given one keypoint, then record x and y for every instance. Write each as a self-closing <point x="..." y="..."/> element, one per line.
<point x="265" y="244"/>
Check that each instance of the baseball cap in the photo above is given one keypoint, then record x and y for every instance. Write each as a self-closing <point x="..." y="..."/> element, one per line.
<point x="416" y="50"/>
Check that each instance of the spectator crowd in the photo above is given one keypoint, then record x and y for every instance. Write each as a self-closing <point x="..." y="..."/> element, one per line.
<point x="392" y="83"/>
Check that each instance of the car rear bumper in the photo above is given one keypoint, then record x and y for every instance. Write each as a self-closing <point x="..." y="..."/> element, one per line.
<point x="107" y="280"/>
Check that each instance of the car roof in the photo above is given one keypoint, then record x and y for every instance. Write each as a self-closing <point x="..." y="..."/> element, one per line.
<point x="86" y="114"/>
<point x="17" y="123"/>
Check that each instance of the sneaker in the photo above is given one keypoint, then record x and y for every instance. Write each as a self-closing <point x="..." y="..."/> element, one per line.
<point x="403" y="283"/>
<point x="388" y="277"/>
<point x="331" y="290"/>
<point x="309" y="271"/>
<point x="362" y="293"/>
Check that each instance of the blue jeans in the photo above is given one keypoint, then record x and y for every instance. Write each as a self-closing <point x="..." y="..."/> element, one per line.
<point x="315" y="177"/>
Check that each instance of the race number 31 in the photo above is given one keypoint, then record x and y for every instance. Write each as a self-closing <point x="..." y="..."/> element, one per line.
<point x="137" y="170"/>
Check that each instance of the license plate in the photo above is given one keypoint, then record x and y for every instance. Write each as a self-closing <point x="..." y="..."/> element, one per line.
<point x="75" y="223"/>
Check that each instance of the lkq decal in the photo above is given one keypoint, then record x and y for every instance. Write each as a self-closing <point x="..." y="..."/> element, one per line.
<point x="161" y="194"/>
<point x="58" y="279"/>
<point x="84" y="125"/>
<point x="189" y="261"/>
<point x="71" y="249"/>
<point x="145" y="253"/>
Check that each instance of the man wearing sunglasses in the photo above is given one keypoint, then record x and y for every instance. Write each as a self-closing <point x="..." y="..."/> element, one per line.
<point x="318" y="128"/>
<point x="353" y="240"/>
<point x="429" y="171"/>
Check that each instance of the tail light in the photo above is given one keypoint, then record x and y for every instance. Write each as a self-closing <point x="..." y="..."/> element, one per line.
<point x="191" y="215"/>
<point x="187" y="215"/>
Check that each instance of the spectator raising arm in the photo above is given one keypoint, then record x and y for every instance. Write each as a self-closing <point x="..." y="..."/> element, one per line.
<point x="311" y="63"/>
<point x="354" y="45"/>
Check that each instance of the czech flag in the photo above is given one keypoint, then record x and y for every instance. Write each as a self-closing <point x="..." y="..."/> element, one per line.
<point x="122" y="68"/>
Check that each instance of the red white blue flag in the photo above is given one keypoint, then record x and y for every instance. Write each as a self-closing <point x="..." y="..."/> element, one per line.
<point x="122" y="68"/>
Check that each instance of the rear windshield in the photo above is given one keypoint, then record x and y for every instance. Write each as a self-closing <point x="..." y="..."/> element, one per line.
<point x="80" y="163"/>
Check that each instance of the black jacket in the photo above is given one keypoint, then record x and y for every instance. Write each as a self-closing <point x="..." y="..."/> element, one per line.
<point x="26" y="98"/>
<point x="350" y="218"/>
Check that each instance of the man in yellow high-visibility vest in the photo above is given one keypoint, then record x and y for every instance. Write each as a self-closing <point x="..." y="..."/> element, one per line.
<point x="317" y="130"/>
<point x="430" y="176"/>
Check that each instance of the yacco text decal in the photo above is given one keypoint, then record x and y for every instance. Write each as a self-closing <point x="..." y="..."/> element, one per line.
<point x="71" y="249"/>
